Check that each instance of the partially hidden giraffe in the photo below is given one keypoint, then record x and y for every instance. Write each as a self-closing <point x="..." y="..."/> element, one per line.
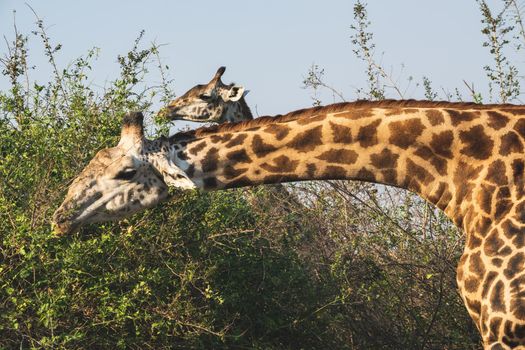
<point x="212" y="102"/>
<point x="219" y="103"/>
<point x="466" y="159"/>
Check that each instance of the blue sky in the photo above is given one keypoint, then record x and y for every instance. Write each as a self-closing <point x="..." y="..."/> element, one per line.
<point x="267" y="46"/>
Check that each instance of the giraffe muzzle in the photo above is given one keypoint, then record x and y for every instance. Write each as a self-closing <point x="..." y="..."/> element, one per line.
<point x="175" y="113"/>
<point x="62" y="224"/>
<point x="170" y="112"/>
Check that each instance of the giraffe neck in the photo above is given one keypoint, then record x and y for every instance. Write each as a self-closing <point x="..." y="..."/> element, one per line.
<point x="466" y="159"/>
<point x="433" y="150"/>
<point x="238" y="111"/>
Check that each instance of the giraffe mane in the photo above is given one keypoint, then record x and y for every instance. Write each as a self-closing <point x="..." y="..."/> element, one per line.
<point x="335" y="108"/>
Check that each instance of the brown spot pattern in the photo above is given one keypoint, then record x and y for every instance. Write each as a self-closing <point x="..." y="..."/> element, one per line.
<point x="210" y="161"/>
<point x="334" y="172"/>
<point x="471" y="284"/>
<point x="240" y="182"/>
<point x="497" y="262"/>
<point x="239" y="156"/>
<point x="458" y="117"/>
<point x="520" y="127"/>
<point x="515" y="265"/>
<point x="384" y="160"/>
<point x="237" y="140"/>
<point x="476" y="265"/>
<point x="493" y="244"/>
<point x="197" y="148"/>
<point x="463" y="173"/>
<point x="513" y="111"/>
<point x="438" y="193"/>
<point x="424" y="152"/>
<point x="477" y="144"/>
<point x="260" y="148"/>
<point x="442" y="142"/>
<point x="474" y="306"/>
<point x="307" y="140"/>
<point x="404" y="133"/>
<point x="230" y="172"/>
<point x="394" y="111"/>
<point x="517" y="176"/>
<point x="510" y="143"/>
<point x="341" y="134"/>
<point x="182" y="155"/>
<point x="226" y="137"/>
<point x="483" y="225"/>
<point x="216" y="138"/>
<point x="497" y="298"/>
<point x="487" y="283"/>
<point x="497" y="120"/>
<point x="343" y="156"/>
<point x="282" y="164"/>
<point x="435" y="117"/>
<point x="485" y="198"/>
<point x="439" y="163"/>
<point x="517" y="290"/>
<point x="367" y="135"/>
<point x="520" y="211"/>
<point x="496" y="173"/>
<point x="279" y="131"/>
<point x="419" y="173"/>
<point x="389" y="176"/>
<point x="503" y="207"/>
<point x="365" y="175"/>
<point x="514" y="233"/>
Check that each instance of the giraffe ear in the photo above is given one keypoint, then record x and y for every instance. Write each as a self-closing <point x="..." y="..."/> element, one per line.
<point x="234" y="93"/>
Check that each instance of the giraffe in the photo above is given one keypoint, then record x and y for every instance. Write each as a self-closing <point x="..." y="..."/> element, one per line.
<point x="466" y="159"/>
<point x="213" y="102"/>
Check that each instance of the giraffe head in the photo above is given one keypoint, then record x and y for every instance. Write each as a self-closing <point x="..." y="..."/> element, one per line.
<point x="212" y="102"/>
<point x="121" y="180"/>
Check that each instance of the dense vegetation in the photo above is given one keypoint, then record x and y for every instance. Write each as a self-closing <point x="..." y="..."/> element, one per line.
<point x="332" y="265"/>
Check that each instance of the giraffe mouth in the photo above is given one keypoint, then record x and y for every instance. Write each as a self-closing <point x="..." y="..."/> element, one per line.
<point x="173" y="113"/>
<point x="63" y="225"/>
<point x="67" y="219"/>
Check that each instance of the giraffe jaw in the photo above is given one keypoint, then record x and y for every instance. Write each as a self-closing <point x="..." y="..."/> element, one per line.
<point x="174" y="113"/>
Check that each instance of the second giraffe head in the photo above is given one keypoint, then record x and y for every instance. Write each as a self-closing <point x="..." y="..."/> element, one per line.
<point x="212" y="102"/>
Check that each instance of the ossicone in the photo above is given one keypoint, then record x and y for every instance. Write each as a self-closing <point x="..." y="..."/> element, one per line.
<point x="132" y="128"/>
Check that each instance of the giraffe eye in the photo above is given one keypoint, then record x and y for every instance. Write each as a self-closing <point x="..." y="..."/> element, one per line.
<point x="205" y="97"/>
<point x="126" y="174"/>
